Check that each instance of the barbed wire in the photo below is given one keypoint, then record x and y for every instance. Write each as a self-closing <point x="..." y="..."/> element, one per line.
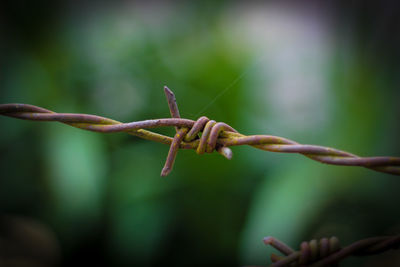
<point x="203" y="135"/>
<point x="327" y="251"/>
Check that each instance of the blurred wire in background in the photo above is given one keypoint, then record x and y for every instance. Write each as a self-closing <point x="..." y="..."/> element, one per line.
<point x="324" y="73"/>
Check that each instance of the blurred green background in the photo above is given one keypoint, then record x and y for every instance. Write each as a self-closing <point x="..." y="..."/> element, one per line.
<point x="318" y="73"/>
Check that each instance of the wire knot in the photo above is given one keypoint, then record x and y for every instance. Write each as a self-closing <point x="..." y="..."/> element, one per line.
<point x="315" y="250"/>
<point x="209" y="129"/>
<point x="309" y="252"/>
<point x="207" y="132"/>
<point x="210" y="132"/>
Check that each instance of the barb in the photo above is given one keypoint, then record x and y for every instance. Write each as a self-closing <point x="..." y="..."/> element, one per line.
<point x="203" y="135"/>
<point x="180" y="133"/>
<point x="327" y="252"/>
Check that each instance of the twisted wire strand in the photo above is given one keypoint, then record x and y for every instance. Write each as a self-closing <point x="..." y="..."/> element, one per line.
<point x="203" y="135"/>
<point x="327" y="252"/>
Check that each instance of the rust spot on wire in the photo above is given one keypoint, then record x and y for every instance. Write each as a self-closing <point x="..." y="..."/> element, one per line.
<point x="215" y="136"/>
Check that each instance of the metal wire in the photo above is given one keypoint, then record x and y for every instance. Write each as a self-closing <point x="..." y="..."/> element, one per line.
<point x="214" y="136"/>
<point x="327" y="252"/>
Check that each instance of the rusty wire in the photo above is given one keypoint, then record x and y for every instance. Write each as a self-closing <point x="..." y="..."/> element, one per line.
<point x="327" y="251"/>
<point x="203" y="135"/>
